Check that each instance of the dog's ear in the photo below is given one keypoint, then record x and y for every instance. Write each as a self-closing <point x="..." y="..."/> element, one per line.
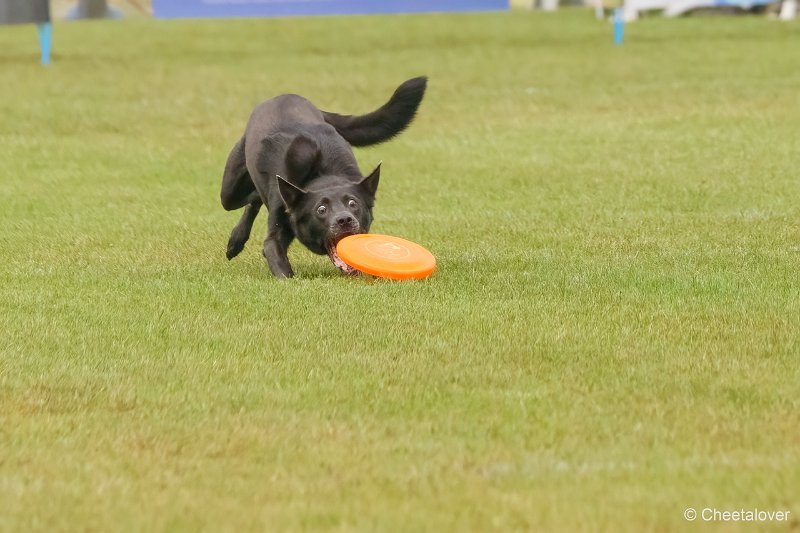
<point x="290" y="193"/>
<point x="370" y="183"/>
<point x="302" y="158"/>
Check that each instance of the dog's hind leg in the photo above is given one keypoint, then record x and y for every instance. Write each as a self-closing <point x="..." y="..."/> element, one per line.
<point x="241" y="232"/>
<point x="238" y="189"/>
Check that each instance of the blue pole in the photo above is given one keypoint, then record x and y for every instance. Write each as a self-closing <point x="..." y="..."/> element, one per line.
<point x="45" y="40"/>
<point x="619" y="25"/>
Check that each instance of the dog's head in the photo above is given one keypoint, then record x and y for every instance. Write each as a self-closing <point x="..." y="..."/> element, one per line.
<point x="331" y="208"/>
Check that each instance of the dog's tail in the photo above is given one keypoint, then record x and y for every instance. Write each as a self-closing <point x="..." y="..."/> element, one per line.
<point x="384" y="123"/>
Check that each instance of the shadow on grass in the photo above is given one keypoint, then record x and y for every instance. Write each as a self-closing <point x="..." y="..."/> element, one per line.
<point x="257" y="269"/>
<point x="32" y="56"/>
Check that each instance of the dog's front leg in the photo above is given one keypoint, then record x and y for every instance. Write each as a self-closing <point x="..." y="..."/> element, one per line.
<point x="275" y="254"/>
<point x="279" y="236"/>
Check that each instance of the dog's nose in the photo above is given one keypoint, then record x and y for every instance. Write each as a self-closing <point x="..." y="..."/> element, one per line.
<point x="346" y="220"/>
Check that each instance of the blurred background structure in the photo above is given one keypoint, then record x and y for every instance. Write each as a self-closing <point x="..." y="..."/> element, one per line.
<point x="231" y="8"/>
<point x="38" y="11"/>
<point x="24" y="11"/>
<point x="30" y="12"/>
<point x="633" y="9"/>
<point x="81" y="9"/>
<point x="92" y="9"/>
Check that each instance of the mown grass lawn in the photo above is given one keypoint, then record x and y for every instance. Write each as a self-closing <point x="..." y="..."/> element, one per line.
<point x="613" y="334"/>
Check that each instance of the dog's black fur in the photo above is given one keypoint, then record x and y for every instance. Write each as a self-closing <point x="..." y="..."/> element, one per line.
<point x="297" y="160"/>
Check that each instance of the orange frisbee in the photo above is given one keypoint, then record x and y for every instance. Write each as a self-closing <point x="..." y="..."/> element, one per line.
<point x="386" y="257"/>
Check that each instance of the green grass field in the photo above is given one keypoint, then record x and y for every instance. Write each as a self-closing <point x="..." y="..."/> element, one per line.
<point x="613" y="334"/>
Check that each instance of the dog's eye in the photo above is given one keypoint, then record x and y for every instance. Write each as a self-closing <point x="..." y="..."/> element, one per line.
<point x="321" y="210"/>
<point x="352" y="204"/>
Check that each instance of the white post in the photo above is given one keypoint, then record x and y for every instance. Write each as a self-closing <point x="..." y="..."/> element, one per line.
<point x="549" y="5"/>
<point x="598" y="10"/>
<point x="788" y="9"/>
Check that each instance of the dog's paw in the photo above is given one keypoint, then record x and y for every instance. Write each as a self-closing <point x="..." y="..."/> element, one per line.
<point x="235" y="246"/>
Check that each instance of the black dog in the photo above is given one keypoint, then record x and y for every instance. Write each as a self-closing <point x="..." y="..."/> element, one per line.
<point x="297" y="160"/>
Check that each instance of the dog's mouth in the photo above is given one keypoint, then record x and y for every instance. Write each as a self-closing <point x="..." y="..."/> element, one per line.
<point x="335" y="259"/>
